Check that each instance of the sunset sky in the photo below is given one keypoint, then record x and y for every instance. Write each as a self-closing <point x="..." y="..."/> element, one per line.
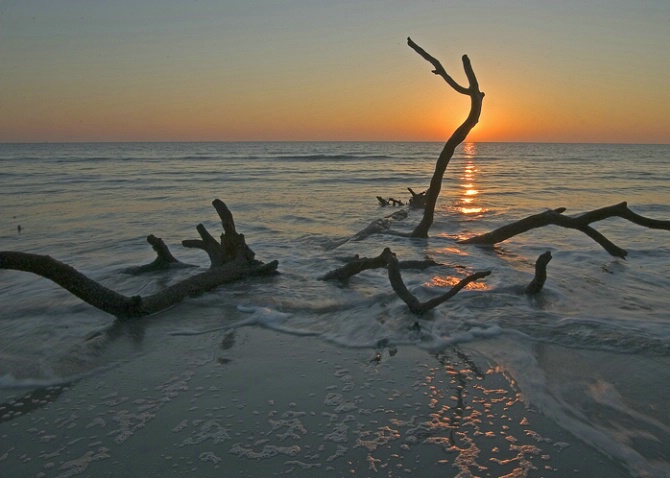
<point x="299" y="70"/>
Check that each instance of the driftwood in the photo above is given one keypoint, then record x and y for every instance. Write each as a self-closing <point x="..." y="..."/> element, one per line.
<point x="231" y="259"/>
<point x="538" y="281"/>
<point x="378" y="226"/>
<point x="580" y="223"/>
<point x="412" y="302"/>
<point x="356" y="266"/>
<point x="232" y="245"/>
<point x="418" y="200"/>
<point x="388" y="260"/>
<point x="427" y="200"/>
<point x="476" y="98"/>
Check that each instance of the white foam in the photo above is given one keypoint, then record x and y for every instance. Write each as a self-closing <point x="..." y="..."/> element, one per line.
<point x="8" y="381"/>
<point x="271" y="319"/>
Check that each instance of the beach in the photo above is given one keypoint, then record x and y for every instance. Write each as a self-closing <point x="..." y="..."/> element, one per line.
<point x="255" y="402"/>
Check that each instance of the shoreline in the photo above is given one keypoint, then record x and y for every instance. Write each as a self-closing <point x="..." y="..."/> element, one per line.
<point x="254" y="402"/>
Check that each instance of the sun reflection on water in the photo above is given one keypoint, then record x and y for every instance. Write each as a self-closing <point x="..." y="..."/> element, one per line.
<point x="467" y="183"/>
<point x="450" y="281"/>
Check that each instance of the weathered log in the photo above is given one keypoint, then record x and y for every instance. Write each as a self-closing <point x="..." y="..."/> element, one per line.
<point x="231" y="260"/>
<point x="412" y="302"/>
<point x="535" y="286"/>
<point x="459" y="135"/>
<point x="119" y="305"/>
<point x="580" y="223"/>
<point x="428" y="199"/>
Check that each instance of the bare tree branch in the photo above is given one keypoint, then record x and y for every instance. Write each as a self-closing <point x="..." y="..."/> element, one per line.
<point x="459" y="135"/>
<point x="580" y="223"/>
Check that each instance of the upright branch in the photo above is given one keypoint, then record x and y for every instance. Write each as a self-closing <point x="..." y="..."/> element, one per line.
<point x="540" y="278"/>
<point x="580" y="223"/>
<point x="459" y="135"/>
<point x="164" y="259"/>
<point x="232" y="245"/>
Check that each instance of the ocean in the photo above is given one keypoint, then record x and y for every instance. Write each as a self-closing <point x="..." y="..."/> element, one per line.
<point x="92" y="205"/>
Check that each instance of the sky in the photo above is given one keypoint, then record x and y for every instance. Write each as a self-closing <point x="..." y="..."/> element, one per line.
<point x="317" y="70"/>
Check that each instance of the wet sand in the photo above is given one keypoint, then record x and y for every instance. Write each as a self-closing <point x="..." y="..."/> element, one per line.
<point x="254" y="402"/>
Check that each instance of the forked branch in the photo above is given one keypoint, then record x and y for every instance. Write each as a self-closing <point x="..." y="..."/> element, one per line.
<point x="459" y="135"/>
<point x="388" y="259"/>
<point x="412" y="302"/>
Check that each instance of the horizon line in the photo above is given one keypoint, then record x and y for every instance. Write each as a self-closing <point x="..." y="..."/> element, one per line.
<point x="325" y="141"/>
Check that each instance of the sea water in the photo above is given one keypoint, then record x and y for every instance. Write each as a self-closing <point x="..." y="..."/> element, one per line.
<point x="92" y="206"/>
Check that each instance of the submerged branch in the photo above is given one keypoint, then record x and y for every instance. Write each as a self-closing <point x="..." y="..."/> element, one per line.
<point x="356" y="265"/>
